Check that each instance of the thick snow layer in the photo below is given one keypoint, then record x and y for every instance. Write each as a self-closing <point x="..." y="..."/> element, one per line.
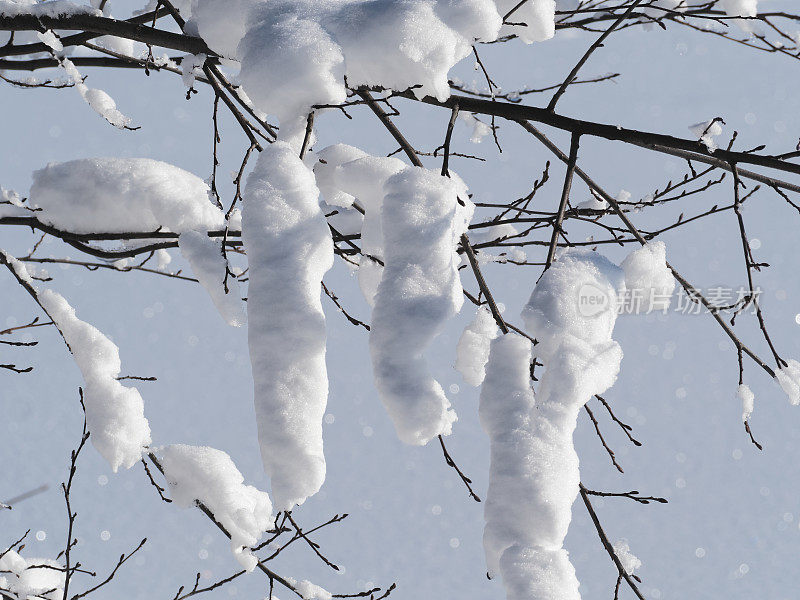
<point x="532" y="473"/>
<point x="419" y="291"/>
<point x="120" y="195"/>
<point x="31" y="577"/>
<point x="472" y="351"/>
<point x="746" y="396"/>
<point x="534" y="476"/>
<point x="328" y="173"/>
<point x="576" y="298"/>
<point x="295" y="54"/>
<point x="55" y="8"/>
<point x="290" y="63"/>
<point x="348" y="173"/>
<point x="221" y="23"/>
<point x="114" y="412"/>
<point x="536" y="19"/>
<point x="289" y="249"/>
<point x="209" y="265"/>
<point x="209" y="475"/>
<point x="789" y="379"/>
<point x="706" y="131"/>
<point x="648" y="282"/>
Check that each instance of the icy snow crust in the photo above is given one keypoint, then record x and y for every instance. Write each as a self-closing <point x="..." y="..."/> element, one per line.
<point x="420" y="290"/>
<point x="209" y="475"/>
<point x="122" y="194"/>
<point x="289" y="249"/>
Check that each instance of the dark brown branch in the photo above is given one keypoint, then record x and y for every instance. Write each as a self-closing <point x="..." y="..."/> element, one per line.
<point x="93" y="26"/>
<point x="607" y="545"/>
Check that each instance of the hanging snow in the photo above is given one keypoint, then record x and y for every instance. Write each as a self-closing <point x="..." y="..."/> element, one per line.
<point x="534" y="475"/>
<point x="362" y="177"/>
<point x="210" y="266"/>
<point x="422" y="219"/>
<point x="114" y="413"/>
<point x="289" y="249"/>
<point x="472" y="351"/>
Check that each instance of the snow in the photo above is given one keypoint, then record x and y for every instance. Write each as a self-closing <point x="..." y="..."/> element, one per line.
<point x="163" y="258"/>
<point x="98" y="100"/>
<point x="538" y="573"/>
<point x="104" y="105"/>
<point x="789" y="379"/>
<point x="221" y="23"/>
<point x="627" y="559"/>
<point x="121" y="195"/>
<point x="210" y="476"/>
<point x="534" y="475"/>
<point x="311" y="591"/>
<point x="209" y="265"/>
<point x="472" y="351"/>
<point x="597" y="203"/>
<point x="54" y="8"/>
<point x="289" y="249"/>
<point x="114" y="412"/>
<point x="329" y="174"/>
<point x="349" y="173"/>
<point x="21" y="577"/>
<point x="190" y="68"/>
<point x="745" y="394"/>
<point x="479" y="129"/>
<point x="649" y="284"/>
<point x="558" y="308"/>
<point x="419" y="291"/>
<point x="531" y="475"/>
<point x="290" y="63"/>
<point x="537" y="15"/>
<point x="706" y="131"/>
<point x="50" y="38"/>
<point x="297" y="54"/>
<point x="740" y="8"/>
<point x="593" y="203"/>
<point x="661" y="8"/>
